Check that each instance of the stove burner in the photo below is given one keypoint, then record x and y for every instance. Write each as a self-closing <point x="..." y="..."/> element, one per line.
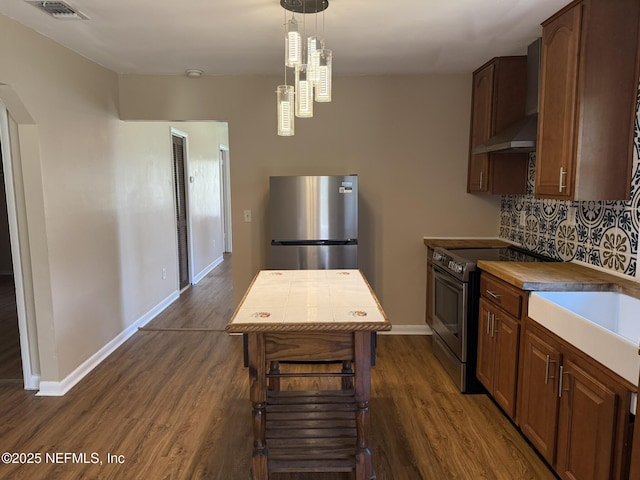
<point x="460" y="262"/>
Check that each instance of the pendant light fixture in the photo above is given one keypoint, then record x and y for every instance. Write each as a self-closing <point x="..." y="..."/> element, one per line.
<point x="293" y="43"/>
<point x="311" y="62"/>
<point x="314" y="45"/>
<point x="304" y="92"/>
<point x="323" y="83"/>
<point x="286" y="124"/>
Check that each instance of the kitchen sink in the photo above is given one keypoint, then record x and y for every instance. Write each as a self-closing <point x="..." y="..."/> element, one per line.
<point x="604" y="325"/>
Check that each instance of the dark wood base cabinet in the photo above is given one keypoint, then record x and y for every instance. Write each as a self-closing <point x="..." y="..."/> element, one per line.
<point x="501" y="308"/>
<point x="634" y="473"/>
<point x="538" y="409"/>
<point x="574" y="411"/>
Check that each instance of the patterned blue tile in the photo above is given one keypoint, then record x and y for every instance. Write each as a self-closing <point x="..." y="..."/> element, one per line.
<point x="590" y="213"/>
<point x="566" y="242"/>
<point x="582" y="233"/>
<point x="616" y="250"/>
<point x="633" y="269"/>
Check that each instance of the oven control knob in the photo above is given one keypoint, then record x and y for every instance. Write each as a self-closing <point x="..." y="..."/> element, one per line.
<point x="437" y="256"/>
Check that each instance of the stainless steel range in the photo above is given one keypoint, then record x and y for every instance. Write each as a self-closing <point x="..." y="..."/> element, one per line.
<point x="454" y="301"/>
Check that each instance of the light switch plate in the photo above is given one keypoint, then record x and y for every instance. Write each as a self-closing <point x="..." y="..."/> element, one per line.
<point x="247" y="216"/>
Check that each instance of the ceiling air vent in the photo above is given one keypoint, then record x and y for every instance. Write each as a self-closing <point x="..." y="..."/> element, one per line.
<point x="59" y="10"/>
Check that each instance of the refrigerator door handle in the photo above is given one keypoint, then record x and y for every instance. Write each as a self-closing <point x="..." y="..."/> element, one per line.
<point x="349" y="241"/>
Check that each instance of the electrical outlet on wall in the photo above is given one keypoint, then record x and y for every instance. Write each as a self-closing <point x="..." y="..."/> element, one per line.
<point x="164" y="273"/>
<point x="523" y="218"/>
<point x="571" y="216"/>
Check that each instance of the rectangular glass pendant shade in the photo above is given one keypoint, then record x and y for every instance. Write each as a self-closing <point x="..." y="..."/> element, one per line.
<point x="286" y="107"/>
<point x="304" y="92"/>
<point x="314" y="45"/>
<point x="293" y="44"/>
<point x="323" y="86"/>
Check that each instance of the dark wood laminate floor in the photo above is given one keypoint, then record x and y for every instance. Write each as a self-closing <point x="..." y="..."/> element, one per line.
<point x="175" y="405"/>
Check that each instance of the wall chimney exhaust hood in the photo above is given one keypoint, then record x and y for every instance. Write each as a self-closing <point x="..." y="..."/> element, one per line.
<point x="521" y="136"/>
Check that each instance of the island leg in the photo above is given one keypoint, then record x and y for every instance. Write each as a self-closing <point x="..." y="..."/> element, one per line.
<point x="258" y="397"/>
<point x="364" y="467"/>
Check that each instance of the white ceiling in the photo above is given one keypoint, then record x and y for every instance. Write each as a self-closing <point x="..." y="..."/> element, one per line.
<point x="226" y="37"/>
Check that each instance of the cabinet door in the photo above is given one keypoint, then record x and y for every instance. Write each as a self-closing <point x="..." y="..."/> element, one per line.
<point x="538" y="394"/>
<point x="484" y="367"/>
<point x="635" y="452"/>
<point x="558" y="105"/>
<point x="586" y="426"/>
<point x="506" y="338"/>
<point x="478" y="176"/>
<point x="481" y="128"/>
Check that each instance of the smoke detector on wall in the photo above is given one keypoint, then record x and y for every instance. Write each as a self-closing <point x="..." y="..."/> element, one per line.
<point x="59" y="10"/>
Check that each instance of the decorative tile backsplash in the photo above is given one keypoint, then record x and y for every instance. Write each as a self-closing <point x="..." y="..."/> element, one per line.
<point x="604" y="233"/>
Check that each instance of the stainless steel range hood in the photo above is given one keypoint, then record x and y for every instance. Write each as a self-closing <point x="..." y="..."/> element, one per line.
<point x="521" y="136"/>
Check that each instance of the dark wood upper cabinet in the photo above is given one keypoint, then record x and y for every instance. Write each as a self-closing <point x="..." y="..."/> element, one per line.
<point x="588" y="90"/>
<point x="498" y="100"/>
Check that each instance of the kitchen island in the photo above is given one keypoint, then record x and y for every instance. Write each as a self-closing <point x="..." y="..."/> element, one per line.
<point x="310" y="316"/>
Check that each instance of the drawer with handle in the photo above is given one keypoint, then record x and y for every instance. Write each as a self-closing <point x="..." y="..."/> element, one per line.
<point x="502" y="294"/>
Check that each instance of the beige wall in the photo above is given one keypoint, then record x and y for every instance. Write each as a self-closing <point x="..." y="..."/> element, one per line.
<point x="406" y="137"/>
<point x="98" y="202"/>
<point x="97" y="206"/>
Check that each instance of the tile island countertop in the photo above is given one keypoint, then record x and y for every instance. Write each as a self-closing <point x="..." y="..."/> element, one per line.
<point x="309" y="300"/>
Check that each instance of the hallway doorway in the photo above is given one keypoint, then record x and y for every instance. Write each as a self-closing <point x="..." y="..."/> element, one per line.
<point x="10" y="356"/>
<point x="10" y="360"/>
<point x="15" y="359"/>
<point x="180" y="186"/>
<point x="225" y="184"/>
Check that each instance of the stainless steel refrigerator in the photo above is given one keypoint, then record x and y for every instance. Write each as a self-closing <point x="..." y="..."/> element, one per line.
<point x="314" y="222"/>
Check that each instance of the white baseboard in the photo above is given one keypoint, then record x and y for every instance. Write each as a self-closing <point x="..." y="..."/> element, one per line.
<point x="408" y="330"/>
<point x="207" y="269"/>
<point x="58" y="389"/>
<point x="33" y="383"/>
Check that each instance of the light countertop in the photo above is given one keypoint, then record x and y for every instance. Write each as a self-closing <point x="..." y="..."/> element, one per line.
<point x="560" y="276"/>
<point x="287" y="300"/>
<point x="433" y="242"/>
